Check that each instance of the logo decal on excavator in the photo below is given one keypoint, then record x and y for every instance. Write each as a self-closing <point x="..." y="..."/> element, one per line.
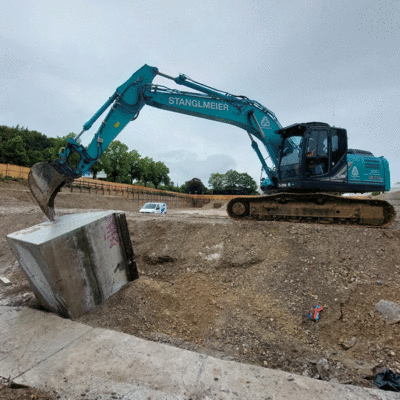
<point x="265" y="123"/>
<point x="212" y="105"/>
<point x="355" y="173"/>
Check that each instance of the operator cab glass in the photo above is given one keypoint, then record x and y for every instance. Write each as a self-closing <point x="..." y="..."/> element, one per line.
<point x="291" y="157"/>
<point x="317" y="161"/>
<point x="311" y="150"/>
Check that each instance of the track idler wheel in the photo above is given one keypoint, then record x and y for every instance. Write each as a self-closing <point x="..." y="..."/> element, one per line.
<point x="238" y="208"/>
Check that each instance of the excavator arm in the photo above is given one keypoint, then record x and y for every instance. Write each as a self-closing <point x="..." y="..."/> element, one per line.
<point x="45" y="180"/>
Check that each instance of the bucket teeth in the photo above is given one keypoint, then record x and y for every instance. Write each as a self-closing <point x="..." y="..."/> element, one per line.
<point x="45" y="182"/>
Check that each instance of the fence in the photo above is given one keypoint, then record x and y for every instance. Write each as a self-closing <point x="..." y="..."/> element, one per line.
<point x="139" y="194"/>
<point x="14" y="171"/>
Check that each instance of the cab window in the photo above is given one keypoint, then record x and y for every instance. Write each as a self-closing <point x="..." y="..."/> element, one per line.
<point x="317" y="144"/>
<point x="317" y="162"/>
<point x="339" y="146"/>
<point x="290" y="157"/>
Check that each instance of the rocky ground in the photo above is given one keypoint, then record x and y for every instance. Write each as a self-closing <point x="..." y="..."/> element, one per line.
<point x="242" y="290"/>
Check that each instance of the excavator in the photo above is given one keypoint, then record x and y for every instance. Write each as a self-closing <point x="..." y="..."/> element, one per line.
<point x="310" y="164"/>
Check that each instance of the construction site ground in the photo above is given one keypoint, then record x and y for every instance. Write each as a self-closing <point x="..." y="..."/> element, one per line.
<point x="239" y="291"/>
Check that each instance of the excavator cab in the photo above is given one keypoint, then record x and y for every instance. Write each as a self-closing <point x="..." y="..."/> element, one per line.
<point x="311" y="153"/>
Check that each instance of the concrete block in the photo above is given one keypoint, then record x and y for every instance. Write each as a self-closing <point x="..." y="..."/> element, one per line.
<point x="77" y="261"/>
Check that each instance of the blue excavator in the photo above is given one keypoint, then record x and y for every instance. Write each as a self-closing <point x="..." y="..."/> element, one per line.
<point x="309" y="163"/>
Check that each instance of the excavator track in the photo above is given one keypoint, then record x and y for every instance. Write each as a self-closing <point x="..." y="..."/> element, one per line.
<point x="313" y="208"/>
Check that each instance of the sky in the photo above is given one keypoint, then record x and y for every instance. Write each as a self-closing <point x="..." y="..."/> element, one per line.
<point x="335" y="61"/>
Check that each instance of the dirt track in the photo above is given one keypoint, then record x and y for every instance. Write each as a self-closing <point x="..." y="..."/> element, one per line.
<point x="242" y="290"/>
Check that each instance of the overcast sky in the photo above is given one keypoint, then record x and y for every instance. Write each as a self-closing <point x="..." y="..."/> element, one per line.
<point x="335" y="61"/>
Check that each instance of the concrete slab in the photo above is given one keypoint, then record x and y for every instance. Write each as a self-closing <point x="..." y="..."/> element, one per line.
<point x="92" y="363"/>
<point x="77" y="261"/>
<point x="28" y="338"/>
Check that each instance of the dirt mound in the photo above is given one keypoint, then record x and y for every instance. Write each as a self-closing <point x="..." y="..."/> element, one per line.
<point x="93" y="201"/>
<point x="215" y="204"/>
<point x="243" y="290"/>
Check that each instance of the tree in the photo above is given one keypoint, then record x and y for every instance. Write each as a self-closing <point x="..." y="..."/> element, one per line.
<point x="184" y="188"/>
<point x="96" y="168"/>
<point x="24" y="147"/>
<point x="159" y="173"/>
<point x="246" y="184"/>
<point x="35" y="146"/>
<point x="133" y="165"/>
<point x="115" y="162"/>
<point x="15" y="152"/>
<point x="145" y="165"/>
<point x="38" y="146"/>
<point x="217" y="182"/>
<point x="195" y="186"/>
<point x="232" y="181"/>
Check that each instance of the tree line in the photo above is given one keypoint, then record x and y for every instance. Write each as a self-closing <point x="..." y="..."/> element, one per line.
<point x="20" y="146"/>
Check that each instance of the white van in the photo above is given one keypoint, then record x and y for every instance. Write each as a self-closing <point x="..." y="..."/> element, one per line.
<point x="154" y="208"/>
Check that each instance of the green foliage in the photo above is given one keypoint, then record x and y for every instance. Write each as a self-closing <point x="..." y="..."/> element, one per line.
<point x="159" y="173"/>
<point x="232" y="182"/>
<point x="170" y="187"/>
<point x="184" y="188"/>
<point x="145" y="173"/>
<point x="15" y="151"/>
<point x="194" y="186"/>
<point x="133" y="165"/>
<point x="10" y="178"/>
<point x="115" y="162"/>
<point x="19" y="146"/>
<point x="96" y="168"/>
<point x="246" y="184"/>
<point x="146" y="184"/>
<point x="217" y="182"/>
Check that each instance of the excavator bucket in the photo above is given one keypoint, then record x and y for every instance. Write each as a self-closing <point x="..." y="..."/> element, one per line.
<point x="45" y="182"/>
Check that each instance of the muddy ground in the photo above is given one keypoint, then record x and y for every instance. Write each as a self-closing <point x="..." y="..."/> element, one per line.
<point x="241" y="290"/>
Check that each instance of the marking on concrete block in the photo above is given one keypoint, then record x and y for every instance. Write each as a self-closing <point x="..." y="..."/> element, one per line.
<point x="5" y="281"/>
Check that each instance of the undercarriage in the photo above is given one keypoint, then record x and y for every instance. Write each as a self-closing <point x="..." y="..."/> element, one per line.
<point x="313" y="208"/>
